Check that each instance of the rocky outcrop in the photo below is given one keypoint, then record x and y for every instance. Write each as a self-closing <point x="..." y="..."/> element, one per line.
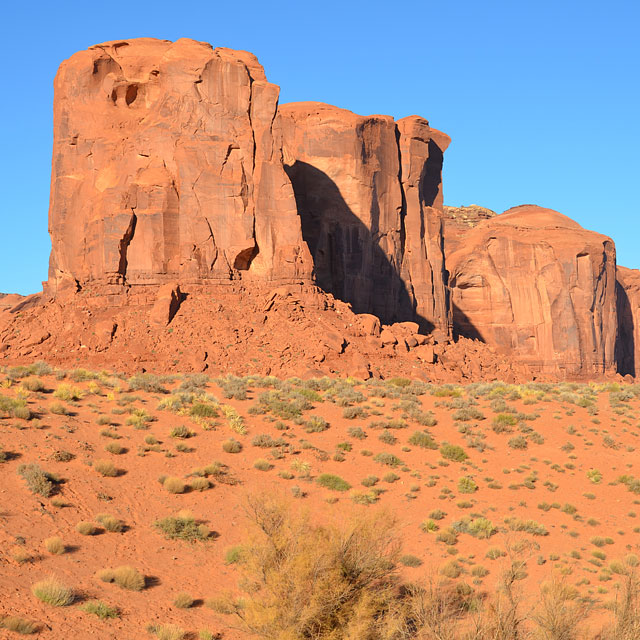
<point x="457" y="221"/>
<point x="369" y="195"/>
<point x="167" y="165"/>
<point x="535" y="284"/>
<point x="628" y="307"/>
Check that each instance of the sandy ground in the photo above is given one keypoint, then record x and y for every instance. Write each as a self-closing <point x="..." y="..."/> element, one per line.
<point x="564" y="441"/>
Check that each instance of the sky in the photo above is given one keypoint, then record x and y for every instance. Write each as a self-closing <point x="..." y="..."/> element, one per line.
<point x="541" y="98"/>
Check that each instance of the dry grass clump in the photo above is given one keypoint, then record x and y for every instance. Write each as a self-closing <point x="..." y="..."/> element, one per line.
<point x="183" y="601"/>
<point x="200" y="484"/>
<point x="231" y="446"/>
<point x="18" y="625"/>
<point x="110" y="523"/>
<point x="55" y="545"/>
<point x="115" y="448"/>
<point x="174" y="485"/>
<point x="126" y="577"/>
<point x="38" y="481"/>
<point x="105" y="468"/>
<point x="182" y="526"/>
<point x="100" y="609"/>
<point x="86" y="528"/>
<point x="67" y="393"/>
<point x="166" y="631"/>
<point x="52" y="591"/>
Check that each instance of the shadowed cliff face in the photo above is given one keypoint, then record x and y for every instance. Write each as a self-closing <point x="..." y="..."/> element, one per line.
<point x="628" y="307"/>
<point x="368" y="191"/>
<point x="534" y="283"/>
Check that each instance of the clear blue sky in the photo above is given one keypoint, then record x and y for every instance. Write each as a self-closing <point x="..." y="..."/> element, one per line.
<point x="541" y="98"/>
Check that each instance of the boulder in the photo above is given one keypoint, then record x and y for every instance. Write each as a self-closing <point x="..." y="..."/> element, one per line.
<point x="536" y="285"/>
<point x="166" y="305"/>
<point x="167" y="165"/>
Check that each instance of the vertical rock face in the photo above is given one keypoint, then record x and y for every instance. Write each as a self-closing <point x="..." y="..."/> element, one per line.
<point x="537" y="285"/>
<point x="628" y="344"/>
<point x="167" y="164"/>
<point x="368" y="192"/>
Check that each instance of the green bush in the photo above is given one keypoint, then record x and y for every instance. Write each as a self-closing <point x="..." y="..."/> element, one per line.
<point x="335" y="483"/>
<point x="453" y="452"/>
<point x="182" y="527"/>
<point x="422" y="439"/>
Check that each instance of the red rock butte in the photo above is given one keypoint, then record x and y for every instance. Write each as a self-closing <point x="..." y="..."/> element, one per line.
<point x="295" y="238"/>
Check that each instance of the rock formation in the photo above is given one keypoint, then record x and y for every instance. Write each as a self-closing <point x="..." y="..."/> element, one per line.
<point x="167" y="165"/>
<point x="299" y="239"/>
<point x="535" y="284"/>
<point x="369" y="194"/>
<point x="628" y="345"/>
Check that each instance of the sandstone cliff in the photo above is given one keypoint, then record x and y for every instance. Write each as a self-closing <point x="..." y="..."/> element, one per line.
<point x="536" y="285"/>
<point x="167" y="164"/>
<point x="369" y="195"/>
<point x="628" y="345"/>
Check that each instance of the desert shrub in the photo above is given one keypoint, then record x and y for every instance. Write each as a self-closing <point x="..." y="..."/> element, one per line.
<point x="183" y="601"/>
<point x="503" y="422"/>
<point x="351" y="413"/>
<point x="429" y="525"/>
<point x="58" y="409"/>
<point x="437" y="514"/>
<point x="203" y="410"/>
<point x="528" y="526"/>
<point x="231" y="446"/>
<point x="126" y="577"/>
<point x="54" y="592"/>
<point x="451" y="569"/>
<point x="174" y="485"/>
<point x="100" y="609"/>
<point x="369" y="481"/>
<point x="115" y="448"/>
<point x="67" y="393"/>
<point x="18" y="625"/>
<point x="233" y="387"/>
<point x="357" y="432"/>
<point x="148" y="382"/>
<point x="110" y="523"/>
<point x="86" y="528"/>
<point x="38" y="481"/>
<point x="387" y="437"/>
<point x="390" y="477"/>
<point x="481" y="528"/>
<point x="233" y="555"/>
<point x="180" y="432"/>
<point x="594" y="476"/>
<point x="200" y="484"/>
<point x="453" y="452"/>
<point x="422" y="439"/>
<point x="182" y="526"/>
<point x="262" y="465"/>
<point x="409" y="560"/>
<point x="166" y="631"/>
<point x="62" y="456"/>
<point x="448" y="537"/>
<point x="335" y="483"/>
<point x="105" y="468"/>
<point x="467" y="485"/>
<point x="560" y="612"/>
<point x="466" y="414"/>
<point x="292" y="571"/>
<point x="518" y="442"/>
<point x="315" y="424"/>
<point x="387" y="458"/>
<point x="55" y="545"/>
